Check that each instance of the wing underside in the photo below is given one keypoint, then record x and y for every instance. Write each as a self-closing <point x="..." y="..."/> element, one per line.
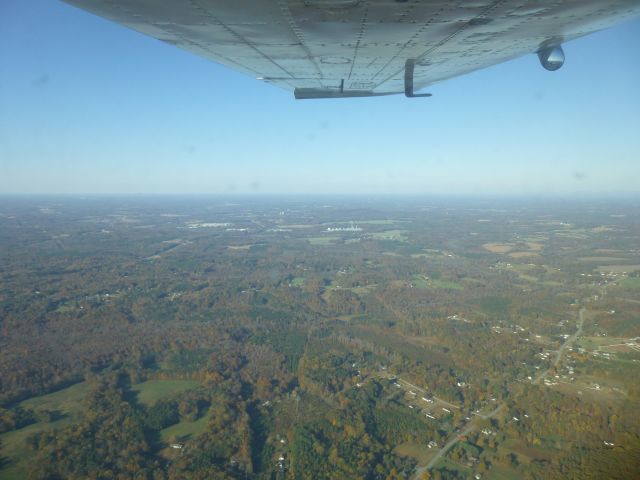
<point x="352" y="48"/>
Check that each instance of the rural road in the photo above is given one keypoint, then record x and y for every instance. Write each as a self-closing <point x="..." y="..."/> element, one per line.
<point x="562" y="349"/>
<point x="422" y="390"/>
<point x="450" y="444"/>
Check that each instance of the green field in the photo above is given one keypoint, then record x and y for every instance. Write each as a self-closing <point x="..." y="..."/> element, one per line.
<point x="526" y="453"/>
<point x="365" y="289"/>
<point x="618" y="268"/>
<point x="16" y="452"/>
<point x="449" y="464"/>
<point x="184" y="430"/>
<point x="420" y="453"/>
<point x="631" y="282"/>
<point x="397" y="235"/>
<point x="153" y="390"/>
<point x="322" y="240"/>
<point x="297" y="282"/>
<point x="594" y="343"/>
<point x="420" y="281"/>
<point x="502" y="472"/>
<point x="66" y="402"/>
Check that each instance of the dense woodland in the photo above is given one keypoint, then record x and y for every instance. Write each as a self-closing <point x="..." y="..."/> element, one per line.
<point x="283" y="338"/>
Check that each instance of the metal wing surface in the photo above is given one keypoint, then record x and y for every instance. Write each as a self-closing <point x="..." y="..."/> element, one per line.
<point x="347" y="48"/>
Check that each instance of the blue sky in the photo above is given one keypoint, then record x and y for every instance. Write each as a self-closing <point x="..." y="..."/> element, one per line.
<point x="87" y="106"/>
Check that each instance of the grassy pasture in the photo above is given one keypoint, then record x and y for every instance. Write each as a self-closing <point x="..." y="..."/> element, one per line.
<point x="631" y="282"/>
<point x="420" y="453"/>
<point x="66" y="402"/>
<point x="495" y="247"/>
<point x="396" y="235"/>
<point x="322" y="240"/>
<point x="618" y="268"/>
<point x="463" y="472"/>
<point x="184" y="430"/>
<point x="364" y="289"/>
<point x="16" y="452"/>
<point x="603" y="259"/>
<point x="526" y="452"/>
<point x="523" y="254"/>
<point x="151" y="391"/>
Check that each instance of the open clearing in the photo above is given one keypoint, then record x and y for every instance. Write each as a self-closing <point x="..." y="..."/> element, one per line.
<point x="519" y="250"/>
<point x="498" y="247"/>
<point x="594" y="343"/>
<point x="184" y="430"/>
<point x="603" y="259"/>
<point x="530" y="453"/>
<point x="322" y="240"/>
<point x="66" y="402"/>
<point x="239" y="247"/>
<point x="632" y="282"/>
<point x="420" y="453"/>
<point x="618" y="268"/>
<point x="502" y="472"/>
<point x="365" y="289"/>
<point x="463" y="472"/>
<point x="153" y="390"/>
<point x="536" y="246"/>
<point x="522" y="254"/>
<point x="396" y="235"/>
<point x="16" y="451"/>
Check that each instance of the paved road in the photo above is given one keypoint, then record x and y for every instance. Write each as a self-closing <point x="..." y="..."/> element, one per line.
<point x="456" y="437"/>
<point x="568" y="343"/>
<point x="450" y="444"/>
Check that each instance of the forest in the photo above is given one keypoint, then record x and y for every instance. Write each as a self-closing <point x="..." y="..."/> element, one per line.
<point x="320" y="338"/>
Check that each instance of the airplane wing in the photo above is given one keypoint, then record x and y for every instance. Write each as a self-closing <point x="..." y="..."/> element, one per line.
<point x="355" y="48"/>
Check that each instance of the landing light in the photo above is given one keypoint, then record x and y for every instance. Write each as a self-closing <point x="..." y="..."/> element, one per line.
<point x="551" y="58"/>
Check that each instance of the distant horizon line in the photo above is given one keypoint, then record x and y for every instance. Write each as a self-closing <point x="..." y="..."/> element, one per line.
<point x="545" y="196"/>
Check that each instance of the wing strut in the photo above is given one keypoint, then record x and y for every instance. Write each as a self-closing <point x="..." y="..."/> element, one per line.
<point x="408" y="80"/>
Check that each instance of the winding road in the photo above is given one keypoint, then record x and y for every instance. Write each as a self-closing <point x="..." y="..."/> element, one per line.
<point x="457" y="435"/>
